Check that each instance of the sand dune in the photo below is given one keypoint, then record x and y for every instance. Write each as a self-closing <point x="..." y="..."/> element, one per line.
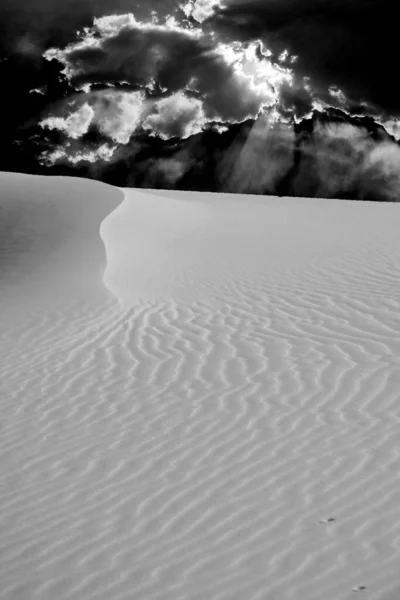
<point x="199" y="395"/>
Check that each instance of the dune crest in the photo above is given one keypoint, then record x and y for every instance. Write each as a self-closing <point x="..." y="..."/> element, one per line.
<point x="50" y="247"/>
<point x="225" y="423"/>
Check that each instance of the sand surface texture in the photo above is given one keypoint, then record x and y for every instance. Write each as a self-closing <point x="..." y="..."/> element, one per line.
<point x="199" y="395"/>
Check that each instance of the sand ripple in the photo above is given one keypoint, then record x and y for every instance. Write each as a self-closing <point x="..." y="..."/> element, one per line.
<point x="242" y="445"/>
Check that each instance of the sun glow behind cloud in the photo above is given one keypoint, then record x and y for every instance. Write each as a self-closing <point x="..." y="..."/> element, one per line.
<point x="259" y="75"/>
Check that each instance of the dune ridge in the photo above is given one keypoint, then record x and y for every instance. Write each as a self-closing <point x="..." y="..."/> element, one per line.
<point x="218" y="420"/>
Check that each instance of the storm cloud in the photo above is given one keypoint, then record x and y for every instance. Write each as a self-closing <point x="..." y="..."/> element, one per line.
<point x="234" y="83"/>
<point x="251" y="96"/>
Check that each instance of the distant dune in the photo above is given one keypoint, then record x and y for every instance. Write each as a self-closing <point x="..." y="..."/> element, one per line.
<point x="199" y="395"/>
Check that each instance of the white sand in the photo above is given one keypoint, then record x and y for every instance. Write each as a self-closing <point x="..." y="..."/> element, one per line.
<point x="185" y="431"/>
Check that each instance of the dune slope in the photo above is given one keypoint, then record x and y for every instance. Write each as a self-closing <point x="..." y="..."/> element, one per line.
<point x="199" y="395"/>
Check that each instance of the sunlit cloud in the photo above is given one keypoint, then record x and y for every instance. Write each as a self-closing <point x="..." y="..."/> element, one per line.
<point x="40" y="91"/>
<point x="75" y="125"/>
<point x="176" y="116"/>
<point x="65" y="154"/>
<point x="118" y="114"/>
<point x="200" y="10"/>
<point x="392" y="126"/>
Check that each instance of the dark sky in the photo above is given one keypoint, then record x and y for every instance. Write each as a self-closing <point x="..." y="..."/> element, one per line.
<point x="296" y="97"/>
